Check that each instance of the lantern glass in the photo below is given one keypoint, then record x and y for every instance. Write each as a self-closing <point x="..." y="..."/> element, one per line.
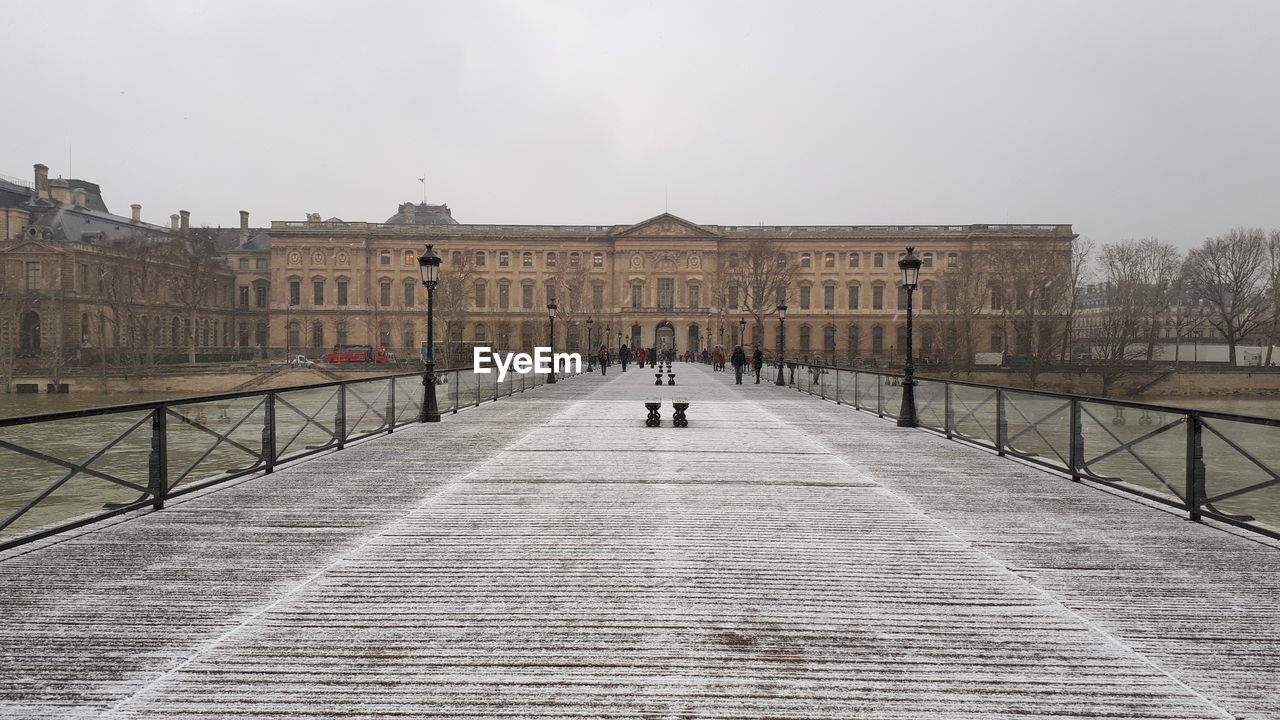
<point x="782" y="312"/>
<point x="429" y="267"/>
<point x="551" y="310"/>
<point x="910" y="266"/>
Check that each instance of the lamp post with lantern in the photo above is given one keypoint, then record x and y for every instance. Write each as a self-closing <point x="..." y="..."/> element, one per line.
<point x="782" y="343"/>
<point x="429" y="268"/>
<point x="910" y="266"/>
<point x="590" y="346"/>
<point x="742" y="334"/>
<point x="551" y="340"/>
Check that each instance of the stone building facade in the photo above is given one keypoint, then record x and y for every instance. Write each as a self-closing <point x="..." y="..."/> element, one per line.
<point x="656" y="283"/>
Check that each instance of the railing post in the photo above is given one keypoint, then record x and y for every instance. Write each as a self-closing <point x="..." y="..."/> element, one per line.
<point x="1002" y="430"/>
<point x="158" y="460"/>
<point x="340" y="419"/>
<point x="479" y="389"/>
<point x="949" y="413"/>
<point x="269" y="433"/>
<point x="456" y="379"/>
<point x="879" y="395"/>
<point x="1195" y="465"/>
<point x="391" y="406"/>
<point x="1077" y="441"/>
<point x="857" y="398"/>
<point x="838" y="387"/>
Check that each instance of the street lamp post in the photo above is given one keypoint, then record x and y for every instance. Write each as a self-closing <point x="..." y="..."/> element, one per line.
<point x="782" y="343"/>
<point x="551" y="341"/>
<point x="910" y="265"/>
<point x="742" y="333"/>
<point x="590" y="345"/>
<point x="429" y="267"/>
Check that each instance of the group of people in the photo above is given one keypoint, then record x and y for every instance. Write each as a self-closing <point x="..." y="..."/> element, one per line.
<point x="716" y="357"/>
<point x="639" y="355"/>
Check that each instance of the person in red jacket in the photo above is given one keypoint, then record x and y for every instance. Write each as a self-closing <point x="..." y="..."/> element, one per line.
<point x="640" y="354"/>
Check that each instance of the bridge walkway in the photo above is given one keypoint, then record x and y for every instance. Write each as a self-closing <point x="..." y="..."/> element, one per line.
<point x="549" y="556"/>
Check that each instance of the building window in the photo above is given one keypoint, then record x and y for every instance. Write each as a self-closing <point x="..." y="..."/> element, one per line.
<point x="806" y="260"/>
<point x="575" y="260"/>
<point x="504" y="296"/>
<point x="504" y="259"/>
<point x="853" y="342"/>
<point x="877" y="340"/>
<point x="342" y="292"/>
<point x="294" y="336"/>
<point x="409" y="259"/>
<point x="317" y="292"/>
<point x="317" y="334"/>
<point x="35" y="275"/>
<point x="877" y="297"/>
<point x="455" y="259"/>
<point x="384" y="293"/>
<point x="997" y="298"/>
<point x="637" y="295"/>
<point x="928" y="260"/>
<point x="829" y="340"/>
<point x="855" y="260"/>
<point x="855" y="291"/>
<point x="407" y="336"/>
<point x="244" y="265"/>
<point x="693" y="296"/>
<point x="597" y="261"/>
<point x="551" y="293"/>
<point x="295" y="292"/>
<point x="829" y="261"/>
<point x="479" y="258"/>
<point x="597" y="296"/>
<point x="733" y="297"/>
<point x="260" y="296"/>
<point x="878" y="260"/>
<point x="953" y="260"/>
<point x="384" y="334"/>
<point x="526" y="297"/>
<point x="384" y="258"/>
<point x="260" y="264"/>
<point x="526" y="336"/>
<point x="666" y="293"/>
<point x="804" y="297"/>
<point x="260" y="333"/>
<point x="902" y="297"/>
<point x="804" y="338"/>
<point x="482" y="333"/>
<point x="926" y="297"/>
<point x="997" y="341"/>
<point x="829" y="297"/>
<point x="951" y="297"/>
<point x="782" y="296"/>
<point x="409" y="292"/>
<point x="526" y="260"/>
<point x="244" y="301"/>
<point x="341" y="332"/>
<point x="480" y="292"/>
<point x="551" y="259"/>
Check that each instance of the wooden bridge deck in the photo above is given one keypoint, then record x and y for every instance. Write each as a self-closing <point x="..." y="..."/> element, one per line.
<point x="549" y="556"/>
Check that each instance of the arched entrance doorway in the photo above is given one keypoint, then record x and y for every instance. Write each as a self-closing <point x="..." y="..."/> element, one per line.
<point x="635" y="337"/>
<point x="665" y="336"/>
<point x="694" y="342"/>
<point x="29" y="332"/>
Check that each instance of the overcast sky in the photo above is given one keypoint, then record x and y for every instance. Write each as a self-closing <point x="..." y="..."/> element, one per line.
<point x="1127" y="119"/>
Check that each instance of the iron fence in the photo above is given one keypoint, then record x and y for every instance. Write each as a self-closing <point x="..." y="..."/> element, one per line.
<point x="1207" y="463"/>
<point x="62" y="470"/>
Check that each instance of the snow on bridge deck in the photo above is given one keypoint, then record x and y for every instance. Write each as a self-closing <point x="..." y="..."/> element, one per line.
<point x="549" y="556"/>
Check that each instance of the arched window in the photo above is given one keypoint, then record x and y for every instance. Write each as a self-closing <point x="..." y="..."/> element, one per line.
<point x="384" y="293"/>
<point x="928" y="260"/>
<point x="526" y="260"/>
<point x="597" y="261"/>
<point x="317" y="334"/>
<point x="479" y="258"/>
<point x="926" y="296"/>
<point x="877" y="340"/>
<point x="855" y="296"/>
<point x="902" y="340"/>
<point x="806" y="260"/>
<point x="526" y="336"/>
<point x="409" y="300"/>
<point x="481" y="287"/>
<point x="877" y="260"/>
<point x="504" y="336"/>
<point x="341" y="332"/>
<point x="829" y="261"/>
<point x="551" y="259"/>
<point x="829" y="341"/>
<point x="804" y="338"/>
<point x="504" y="259"/>
<point x="384" y="335"/>
<point x="482" y="333"/>
<point x="455" y="258"/>
<point x="575" y="260"/>
<point x="636" y="335"/>
<point x="407" y="336"/>
<point x="953" y="260"/>
<point x="855" y="260"/>
<point x="854" y="342"/>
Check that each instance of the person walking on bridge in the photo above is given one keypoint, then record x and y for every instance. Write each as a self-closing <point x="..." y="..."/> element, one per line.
<point x="624" y="354"/>
<point x="604" y="360"/>
<point x="640" y="357"/>
<point x="739" y="361"/>
<point x="757" y="362"/>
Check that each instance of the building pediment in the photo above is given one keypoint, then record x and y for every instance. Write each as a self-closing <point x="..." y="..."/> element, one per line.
<point x="665" y="225"/>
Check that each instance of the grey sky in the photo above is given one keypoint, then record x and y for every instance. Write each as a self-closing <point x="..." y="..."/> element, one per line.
<point x="1124" y="118"/>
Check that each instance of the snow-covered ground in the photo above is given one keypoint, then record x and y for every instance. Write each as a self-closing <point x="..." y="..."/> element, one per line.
<point x="549" y="556"/>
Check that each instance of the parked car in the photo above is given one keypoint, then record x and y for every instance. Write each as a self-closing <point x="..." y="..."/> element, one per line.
<point x="300" y="361"/>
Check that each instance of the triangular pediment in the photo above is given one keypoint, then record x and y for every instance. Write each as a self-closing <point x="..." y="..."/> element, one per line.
<point x="666" y="225"/>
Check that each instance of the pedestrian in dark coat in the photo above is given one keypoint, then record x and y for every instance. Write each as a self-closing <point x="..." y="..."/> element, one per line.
<point x="604" y="360"/>
<point x="757" y="362"/>
<point x="739" y="361"/>
<point x="624" y="355"/>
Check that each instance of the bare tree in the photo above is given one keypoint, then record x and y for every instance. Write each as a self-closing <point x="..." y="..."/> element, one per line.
<point x="1116" y="328"/>
<point x="197" y="270"/>
<point x="1034" y="281"/>
<point x="454" y="296"/>
<point x="1230" y="273"/>
<point x="959" y="307"/>
<point x="572" y="283"/>
<point x="762" y="272"/>
<point x="13" y="305"/>
<point x="1159" y="267"/>
<point x="1078" y="277"/>
<point x="1273" y="292"/>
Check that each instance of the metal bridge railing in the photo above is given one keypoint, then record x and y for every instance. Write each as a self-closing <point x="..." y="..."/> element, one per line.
<point x="1223" y="466"/>
<point x="59" y="471"/>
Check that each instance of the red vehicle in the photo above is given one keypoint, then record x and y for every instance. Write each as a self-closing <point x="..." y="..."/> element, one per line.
<point x="357" y="354"/>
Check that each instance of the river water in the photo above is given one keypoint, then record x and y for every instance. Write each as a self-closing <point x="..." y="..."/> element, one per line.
<point x="206" y="439"/>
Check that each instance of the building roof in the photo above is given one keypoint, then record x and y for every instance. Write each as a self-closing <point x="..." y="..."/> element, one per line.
<point x="69" y="223"/>
<point x="228" y="240"/>
<point x="420" y="214"/>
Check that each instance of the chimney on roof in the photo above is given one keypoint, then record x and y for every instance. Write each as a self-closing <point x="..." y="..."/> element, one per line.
<point x="173" y="222"/>
<point x="410" y="213"/>
<point x="185" y="223"/>
<point x="244" y="227"/>
<point x="42" y="181"/>
<point x="80" y="197"/>
<point x="60" y="192"/>
<point x="137" y="212"/>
